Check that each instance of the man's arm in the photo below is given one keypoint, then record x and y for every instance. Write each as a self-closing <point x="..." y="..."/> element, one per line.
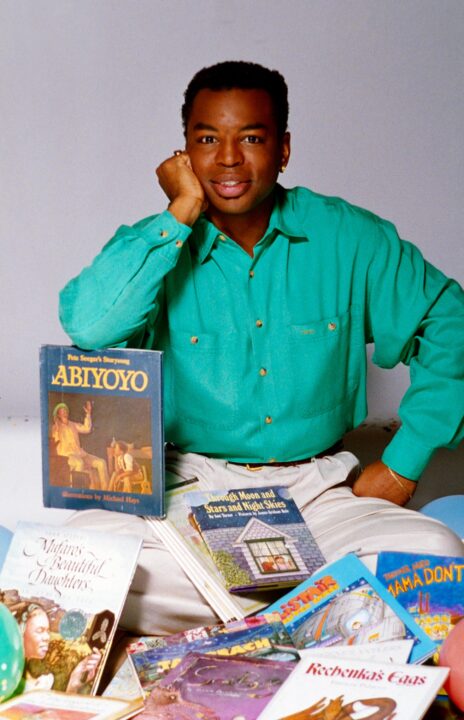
<point x="110" y="302"/>
<point x="415" y="316"/>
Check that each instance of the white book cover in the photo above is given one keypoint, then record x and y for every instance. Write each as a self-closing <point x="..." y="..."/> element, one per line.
<point x="66" y="587"/>
<point x="331" y="687"/>
<point x="392" y="651"/>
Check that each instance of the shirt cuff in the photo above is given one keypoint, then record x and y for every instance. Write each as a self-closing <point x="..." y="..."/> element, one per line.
<point x="406" y="456"/>
<point x="165" y="230"/>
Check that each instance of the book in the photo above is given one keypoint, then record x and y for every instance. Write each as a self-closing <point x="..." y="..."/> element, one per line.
<point x="216" y="688"/>
<point x="320" y="688"/>
<point x="124" y="683"/>
<point x="345" y="604"/>
<point x="66" y="588"/>
<point x="394" y="651"/>
<point x="184" y="542"/>
<point x="268" y="641"/>
<point x="53" y="705"/>
<point x="102" y="429"/>
<point x="429" y="587"/>
<point x="150" y="642"/>
<point x="257" y="537"/>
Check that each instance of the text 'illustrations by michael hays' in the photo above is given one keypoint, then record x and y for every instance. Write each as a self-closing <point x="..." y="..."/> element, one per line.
<point x="257" y="537"/>
<point x="102" y="429"/>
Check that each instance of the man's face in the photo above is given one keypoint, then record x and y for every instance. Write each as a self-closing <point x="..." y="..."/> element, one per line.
<point x="63" y="414"/>
<point x="36" y="636"/>
<point x="234" y="149"/>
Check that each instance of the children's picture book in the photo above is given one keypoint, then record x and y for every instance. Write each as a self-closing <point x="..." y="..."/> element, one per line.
<point x="257" y="537"/>
<point x="216" y="688"/>
<point x="151" y="642"/>
<point x="53" y="705"/>
<point x="269" y="641"/>
<point x="102" y="429"/>
<point x="430" y="587"/>
<point x="66" y="588"/>
<point x="345" y="604"/>
<point x="184" y="542"/>
<point x="321" y="687"/>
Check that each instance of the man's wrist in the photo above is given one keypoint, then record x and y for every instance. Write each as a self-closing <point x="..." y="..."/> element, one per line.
<point x="186" y="209"/>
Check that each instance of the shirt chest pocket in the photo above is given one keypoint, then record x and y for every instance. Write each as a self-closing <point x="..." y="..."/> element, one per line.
<point x="324" y="361"/>
<point x="202" y="372"/>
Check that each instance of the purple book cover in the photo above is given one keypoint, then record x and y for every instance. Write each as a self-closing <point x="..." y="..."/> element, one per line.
<point x="216" y="688"/>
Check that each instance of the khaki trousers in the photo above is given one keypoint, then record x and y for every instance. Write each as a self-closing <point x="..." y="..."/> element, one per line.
<point x="162" y="599"/>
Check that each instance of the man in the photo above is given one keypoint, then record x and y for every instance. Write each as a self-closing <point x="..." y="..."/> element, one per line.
<point x="65" y="433"/>
<point x="263" y="300"/>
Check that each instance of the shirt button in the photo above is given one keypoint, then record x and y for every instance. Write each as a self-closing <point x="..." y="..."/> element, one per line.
<point x="268" y="420"/>
<point x="222" y="237"/>
<point x="263" y="371"/>
<point x="332" y="326"/>
<point x="259" y="323"/>
<point x="164" y="233"/>
<point x="179" y="243"/>
<point x="251" y="273"/>
<point x="194" y="339"/>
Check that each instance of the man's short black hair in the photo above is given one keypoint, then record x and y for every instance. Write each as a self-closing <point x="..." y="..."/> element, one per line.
<point x="245" y="76"/>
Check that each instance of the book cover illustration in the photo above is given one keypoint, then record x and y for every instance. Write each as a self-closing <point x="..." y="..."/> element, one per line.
<point x="430" y="587"/>
<point x="53" y="705"/>
<point x="102" y="429"/>
<point x="216" y="688"/>
<point x="320" y="688"/>
<point x="345" y="604"/>
<point x="257" y="537"/>
<point x="66" y="588"/>
<point x="269" y="641"/>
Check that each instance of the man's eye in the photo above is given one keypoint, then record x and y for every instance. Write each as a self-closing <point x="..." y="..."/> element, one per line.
<point x="253" y="139"/>
<point x="207" y="139"/>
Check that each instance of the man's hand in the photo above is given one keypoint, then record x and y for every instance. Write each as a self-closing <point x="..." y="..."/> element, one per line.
<point x="376" y="480"/>
<point x="88" y="408"/>
<point x="181" y="185"/>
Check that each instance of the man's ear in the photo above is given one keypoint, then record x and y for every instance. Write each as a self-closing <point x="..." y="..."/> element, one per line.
<point x="285" y="151"/>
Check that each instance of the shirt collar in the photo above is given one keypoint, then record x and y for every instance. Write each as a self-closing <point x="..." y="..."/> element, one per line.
<point x="283" y="220"/>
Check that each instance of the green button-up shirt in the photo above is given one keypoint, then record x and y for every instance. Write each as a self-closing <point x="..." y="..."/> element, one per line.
<point x="265" y="355"/>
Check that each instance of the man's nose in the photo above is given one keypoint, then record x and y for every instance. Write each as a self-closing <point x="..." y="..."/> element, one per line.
<point x="229" y="154"/>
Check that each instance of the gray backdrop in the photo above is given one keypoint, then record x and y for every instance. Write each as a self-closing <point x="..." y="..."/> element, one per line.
<point x="91" y="91"/>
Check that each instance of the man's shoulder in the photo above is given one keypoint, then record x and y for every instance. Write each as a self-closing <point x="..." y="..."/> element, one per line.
<point x="303" y="200"/>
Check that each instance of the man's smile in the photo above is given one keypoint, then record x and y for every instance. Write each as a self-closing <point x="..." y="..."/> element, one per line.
<point x="230" y="186"/>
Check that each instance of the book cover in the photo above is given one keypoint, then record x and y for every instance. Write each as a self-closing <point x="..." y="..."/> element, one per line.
<point x="184" y="542"/>
<point x="334" y="687"/>
<point x="216" y="688"/>
<point x="102" y="429"/>
<point x="53" y="705"/>
<point x="430" y="587"/>
<point x="269" y="641"/>
<point x="66" y="588"/>
<point x="345" y="604"/>
<point x="257" y="537"/>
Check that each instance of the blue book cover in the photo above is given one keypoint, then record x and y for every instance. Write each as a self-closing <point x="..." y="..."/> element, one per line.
<point x="430" y="587"/>
<point x="345" y="604"/>
<point x="102" y="429"/>
<point x="257" y="537"/>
